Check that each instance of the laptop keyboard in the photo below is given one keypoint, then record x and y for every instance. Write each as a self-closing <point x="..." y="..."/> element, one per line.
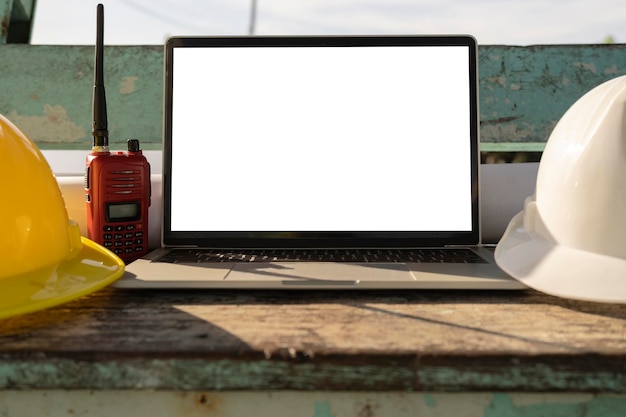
<point x="440" y="255"/>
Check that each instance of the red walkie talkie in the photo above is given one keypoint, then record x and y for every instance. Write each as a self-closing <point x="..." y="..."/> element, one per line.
<point x="117" y="184"/>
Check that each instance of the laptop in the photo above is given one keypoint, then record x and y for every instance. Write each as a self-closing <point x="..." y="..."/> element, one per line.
<point x="320" y="162"/>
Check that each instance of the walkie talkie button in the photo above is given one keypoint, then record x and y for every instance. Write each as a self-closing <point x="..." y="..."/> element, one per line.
<point x="108" y="236"/>
<point x="118" y="236"/>
<point x="138" y="234"/>
<point x="128" y="235"/>
<point x="138" y="248"/>
<point x="107" y="244"/>
<point x="108" y="228"/>
<point x="130" y="227"/>
<point x="128" y="243"/>
<point x="119" y="228"/>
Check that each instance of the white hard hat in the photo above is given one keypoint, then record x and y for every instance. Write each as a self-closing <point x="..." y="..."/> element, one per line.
<point x="570" y="239"/>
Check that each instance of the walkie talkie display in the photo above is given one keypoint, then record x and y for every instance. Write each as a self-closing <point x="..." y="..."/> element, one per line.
<point x="117" y="183"/>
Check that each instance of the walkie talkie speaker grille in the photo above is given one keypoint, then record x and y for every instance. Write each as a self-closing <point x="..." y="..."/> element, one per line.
<point x="570" y="240"/>
<point x="44" y="261"/>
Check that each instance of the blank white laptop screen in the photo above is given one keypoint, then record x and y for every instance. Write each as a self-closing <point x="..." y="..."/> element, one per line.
<point x="291" y="138"/>
<point x="320" y="162"/>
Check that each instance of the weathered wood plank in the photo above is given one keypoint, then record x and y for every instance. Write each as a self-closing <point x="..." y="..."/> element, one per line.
<point x="402" y="341"/>
<point x="47" y="91"/>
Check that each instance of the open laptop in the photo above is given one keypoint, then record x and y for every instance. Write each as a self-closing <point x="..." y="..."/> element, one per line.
<point x="324" y="157"/>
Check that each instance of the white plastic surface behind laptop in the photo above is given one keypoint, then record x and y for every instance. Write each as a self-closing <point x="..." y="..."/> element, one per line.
<point x="503" y="190"/>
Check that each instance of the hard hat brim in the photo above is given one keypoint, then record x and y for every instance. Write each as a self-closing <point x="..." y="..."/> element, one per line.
<point x="559" y="270"/>
<point x="93" y="268"/>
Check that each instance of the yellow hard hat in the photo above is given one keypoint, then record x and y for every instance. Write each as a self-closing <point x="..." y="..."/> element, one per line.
<point x="44" y="261"/>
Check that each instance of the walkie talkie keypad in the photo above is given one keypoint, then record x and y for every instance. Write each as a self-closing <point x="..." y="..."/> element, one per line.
<point x="123" y="239"/>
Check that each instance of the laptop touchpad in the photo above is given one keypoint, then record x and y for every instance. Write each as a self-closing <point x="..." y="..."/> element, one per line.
<point x="322" y="273"/>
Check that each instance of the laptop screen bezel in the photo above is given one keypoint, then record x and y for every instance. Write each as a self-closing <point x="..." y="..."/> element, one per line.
<point x="334" y="239"/>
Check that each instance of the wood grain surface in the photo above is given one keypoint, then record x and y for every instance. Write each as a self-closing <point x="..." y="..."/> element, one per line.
<point x="399" y="340"/>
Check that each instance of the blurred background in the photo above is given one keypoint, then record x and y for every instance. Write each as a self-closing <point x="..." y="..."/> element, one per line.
<point x="492" y="22"/>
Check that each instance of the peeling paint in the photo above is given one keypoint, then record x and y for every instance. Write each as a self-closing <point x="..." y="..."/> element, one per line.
<point x="4" y="28"/>
<point x="322" y="409"/>
<point x="54" y="126"/>
<point x="430" y="401"/>
<point x="503" y="405"/>
<point x="207" y="403"/>
<point x="368" y="410"/>
<point x="500" y="80"/>
<point x="586" y="66"/>
<point x="513" y="132"/>
<point x="498" y="120"/>
<point x="128" y="85"/>
<point x="534" y="399"/>
<point x="612" y="70"/>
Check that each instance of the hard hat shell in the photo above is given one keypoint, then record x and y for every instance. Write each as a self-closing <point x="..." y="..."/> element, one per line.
<point x="44" y="261"/>
<point x="570" y="239"/>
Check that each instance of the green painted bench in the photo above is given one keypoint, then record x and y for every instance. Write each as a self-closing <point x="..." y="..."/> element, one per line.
<point x="46" y="90"/>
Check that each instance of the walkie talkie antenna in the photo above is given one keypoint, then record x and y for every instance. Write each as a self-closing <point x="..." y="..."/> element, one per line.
<point x="100" y="130"/>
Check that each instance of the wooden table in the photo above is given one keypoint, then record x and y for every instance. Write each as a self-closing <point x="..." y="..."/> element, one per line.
<point x="327" y="353"/>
